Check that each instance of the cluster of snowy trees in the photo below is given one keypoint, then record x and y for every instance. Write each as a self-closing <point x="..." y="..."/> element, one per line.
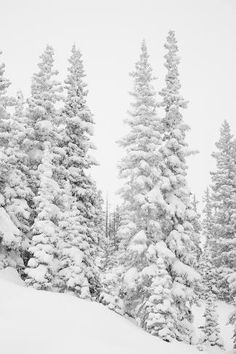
<point x="45" y="184"/>
<point x="162" y="259"/>
<point x="145" y="259"/>
<point x="154" y="270"/>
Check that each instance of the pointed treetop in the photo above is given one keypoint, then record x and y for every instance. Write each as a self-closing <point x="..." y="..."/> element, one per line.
<point x="47" y="60"/>
<point x="76" y="62"/>
<point x="144" y="49"/>
<point x="171" y="45"/>
<point x="143" y="68"/>
<point x="144" y="44"/>
<point x="172" y="99"/>
<point x="75" y="86"/>
<point x="45" y="90"/>
<point x="143" y="91"/>
<point x="225" y="129"/>
<point x="171" y="40"/>
<point x="172" y="60"/>
<point x="225" y="142"/>
<point x="4" y="83"/>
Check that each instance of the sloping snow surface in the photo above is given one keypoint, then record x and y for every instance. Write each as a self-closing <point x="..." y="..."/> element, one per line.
<point x="39" y="322"/>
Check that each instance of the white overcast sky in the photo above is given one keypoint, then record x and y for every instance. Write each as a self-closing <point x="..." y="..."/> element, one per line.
<point x="109" y="34"/>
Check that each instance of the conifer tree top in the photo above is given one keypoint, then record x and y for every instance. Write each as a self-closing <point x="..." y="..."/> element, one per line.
<point x="45" y="90"/>
<point x="172" y="100"/>
<point x="4" y="83"/>
<point x="143" y="90"/>
<point x="75" y="86"/>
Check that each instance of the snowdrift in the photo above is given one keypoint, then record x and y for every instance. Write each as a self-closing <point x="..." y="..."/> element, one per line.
<point x="39" y="322"/>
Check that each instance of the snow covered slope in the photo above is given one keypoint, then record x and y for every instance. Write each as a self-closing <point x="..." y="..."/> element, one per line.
<point x="38" y="322"/>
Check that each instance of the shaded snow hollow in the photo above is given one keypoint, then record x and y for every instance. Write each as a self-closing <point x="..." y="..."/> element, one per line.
<point x="40" y="322"/>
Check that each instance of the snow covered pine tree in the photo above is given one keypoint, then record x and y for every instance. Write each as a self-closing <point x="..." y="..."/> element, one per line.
<point x="43" y="120"/>
<point x="206" y="267"/>
<point x="179" y="234"/>
<point x="158" y="312"/>
<point x="211" y="328"/>
<point x="143" y="206"/>
<point x="41" y="268"/>
<point x="73" y="249"/>
<point x="76" y="163"/>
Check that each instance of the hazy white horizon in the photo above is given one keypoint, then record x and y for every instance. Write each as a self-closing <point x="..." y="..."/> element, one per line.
<point x="109" y="35"/>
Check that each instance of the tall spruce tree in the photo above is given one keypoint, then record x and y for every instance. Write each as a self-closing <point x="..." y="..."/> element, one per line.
<point x="140" y="167"/>
<point x="76" y="163"/>
<point x="42" y="136"/>
<point x="223" y="200"/>
<point x="179" y="234"/>
<point x="143" y="203"/>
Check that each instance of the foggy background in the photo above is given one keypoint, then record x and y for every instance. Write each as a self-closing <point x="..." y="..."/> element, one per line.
<point x="109" y="35"/>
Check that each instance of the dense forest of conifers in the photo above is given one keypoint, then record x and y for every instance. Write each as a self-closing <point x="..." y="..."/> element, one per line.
<point x="155" y="255"/>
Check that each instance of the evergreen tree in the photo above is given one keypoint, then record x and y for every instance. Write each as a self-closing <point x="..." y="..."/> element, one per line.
<point x="76" y="162"/>
<point x="18" y="193"/>
<point x="111" y="273"/>
<point x="113" y="240"/>
<point x="140" y="167"/>
<point x="4" y="84"/>
<point x="208" y="218"/>
<point x="158" y="316"/>
<point x="223" y="201"/>
<point x="42" y="113"/>
<point x="99" y="230"/>
<point x="197" y="222"/>
<point x="73" y="249"/>
<point x="137" y="267"/>
<point x="115" y="220"/>
<point x="41" y="267"/>
<point x="179" y="234"/>
<point x="211" y="328"/>
<point x="208" y="284"/>
<point x="206" y="267"/>
<point x="142" y="200"/>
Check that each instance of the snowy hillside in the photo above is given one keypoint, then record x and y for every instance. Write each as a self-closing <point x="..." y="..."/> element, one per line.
<point x="36" y="322"/>
<point x="143" y="258"/>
